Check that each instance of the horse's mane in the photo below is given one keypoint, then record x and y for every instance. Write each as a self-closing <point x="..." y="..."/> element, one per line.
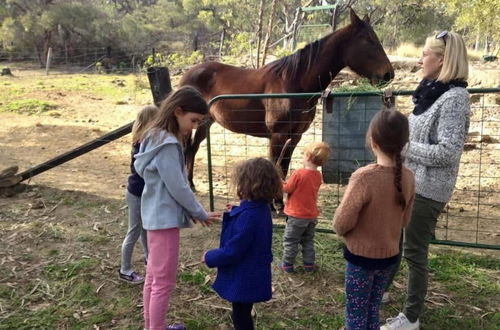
<point x="291" y="66"/>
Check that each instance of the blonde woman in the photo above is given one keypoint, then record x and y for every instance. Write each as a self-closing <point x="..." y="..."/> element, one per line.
<point x="438" y="127"/>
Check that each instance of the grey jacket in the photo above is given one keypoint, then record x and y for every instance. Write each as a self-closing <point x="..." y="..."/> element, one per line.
<point x="437" y="139"/>
<point x="167" y="200"/>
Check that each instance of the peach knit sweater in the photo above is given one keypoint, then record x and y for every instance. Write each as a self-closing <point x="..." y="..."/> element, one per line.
<point x="368" y="217"/>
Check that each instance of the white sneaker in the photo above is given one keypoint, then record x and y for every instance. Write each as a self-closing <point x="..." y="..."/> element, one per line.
<point x="385" y="298"/>
<point x="400" y="322"/>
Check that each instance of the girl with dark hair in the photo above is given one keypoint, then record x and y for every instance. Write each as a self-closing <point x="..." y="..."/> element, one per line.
<point x="244" y="257"/>
<point x="167" y="202"/>
<point x="376" y="205"/>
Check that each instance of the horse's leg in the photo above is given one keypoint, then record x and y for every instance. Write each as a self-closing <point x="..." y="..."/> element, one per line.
<point x="192" y="148"/>
<point x="276" y="145"/>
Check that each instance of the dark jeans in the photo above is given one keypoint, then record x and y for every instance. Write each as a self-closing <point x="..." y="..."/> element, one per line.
<point x="242" y="316"/>
<point x="416" y="239"/>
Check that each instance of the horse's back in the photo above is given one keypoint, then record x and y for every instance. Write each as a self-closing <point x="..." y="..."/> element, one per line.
<point x="214" y="78"/>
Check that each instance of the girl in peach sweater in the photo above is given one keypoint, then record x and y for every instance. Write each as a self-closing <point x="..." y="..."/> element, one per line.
<point x="376" y="206"/>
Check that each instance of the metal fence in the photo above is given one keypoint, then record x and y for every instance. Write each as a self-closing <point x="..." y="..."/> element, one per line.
<point x="470" y="219"/>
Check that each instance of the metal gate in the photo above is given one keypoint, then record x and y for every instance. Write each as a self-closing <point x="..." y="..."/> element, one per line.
<point x="470" y="219"/>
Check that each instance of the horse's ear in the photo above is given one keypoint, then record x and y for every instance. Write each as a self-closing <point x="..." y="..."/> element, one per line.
<point x="354" y="18"/>
<point x="366" y="19"/>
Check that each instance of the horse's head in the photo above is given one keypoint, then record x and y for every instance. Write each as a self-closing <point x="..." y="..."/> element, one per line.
<point x="364" y="53"/>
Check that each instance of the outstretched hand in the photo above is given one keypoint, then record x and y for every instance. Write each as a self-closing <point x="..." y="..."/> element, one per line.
<point x="212" y="217"/>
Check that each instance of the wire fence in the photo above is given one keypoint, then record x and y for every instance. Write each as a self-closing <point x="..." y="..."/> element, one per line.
<point x="470" y="219"/>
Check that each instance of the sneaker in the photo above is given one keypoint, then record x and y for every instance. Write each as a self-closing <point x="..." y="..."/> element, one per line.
<point x="176" y="326"/>
<point x="400" y="322"/>
<point x="309" y="267"/>
<point x="385" y="298"/>
<point x="285" y="267"/>
<point x="132" y="278"/>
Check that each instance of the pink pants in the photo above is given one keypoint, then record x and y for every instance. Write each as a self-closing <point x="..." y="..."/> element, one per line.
<point x="161" y="270"/>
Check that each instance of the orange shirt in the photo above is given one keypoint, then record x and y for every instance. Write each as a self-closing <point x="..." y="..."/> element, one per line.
<point x="302" y="188"/>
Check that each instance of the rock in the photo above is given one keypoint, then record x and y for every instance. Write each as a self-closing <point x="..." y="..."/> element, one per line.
<point x="6" y="72"/>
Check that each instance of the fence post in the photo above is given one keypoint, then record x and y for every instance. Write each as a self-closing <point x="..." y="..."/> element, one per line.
<point x="47" y="64"/>
<point x="159" y="80"/>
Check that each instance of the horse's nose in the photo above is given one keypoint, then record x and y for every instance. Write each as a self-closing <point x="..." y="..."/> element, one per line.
<point x="388" y="76"/>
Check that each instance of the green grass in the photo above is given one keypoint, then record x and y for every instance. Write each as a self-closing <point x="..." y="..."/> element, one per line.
<point x="67" y="279"/>
<point x="197" y="278"/>
<point x="28" y="106"/>
<point x="22" y="94"/>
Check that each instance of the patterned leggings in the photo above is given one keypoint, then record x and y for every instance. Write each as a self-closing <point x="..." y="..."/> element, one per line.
<point x="364" y="289"/>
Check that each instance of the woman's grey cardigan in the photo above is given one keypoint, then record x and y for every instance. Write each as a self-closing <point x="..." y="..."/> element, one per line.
<point x="437" y="138"/>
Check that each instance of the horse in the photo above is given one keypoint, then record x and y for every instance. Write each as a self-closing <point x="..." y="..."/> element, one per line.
<point x="310" y="69"/>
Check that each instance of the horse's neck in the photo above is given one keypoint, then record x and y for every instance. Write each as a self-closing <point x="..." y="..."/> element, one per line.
<point x="329" y="63"/>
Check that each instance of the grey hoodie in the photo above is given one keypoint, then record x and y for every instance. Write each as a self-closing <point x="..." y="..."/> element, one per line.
<point x="167" y="200"/>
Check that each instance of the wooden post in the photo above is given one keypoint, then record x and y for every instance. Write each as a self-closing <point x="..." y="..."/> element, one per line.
<point x="47" y="64"/>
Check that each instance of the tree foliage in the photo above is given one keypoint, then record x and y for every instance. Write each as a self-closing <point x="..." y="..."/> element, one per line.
<point x="84" y="29"/>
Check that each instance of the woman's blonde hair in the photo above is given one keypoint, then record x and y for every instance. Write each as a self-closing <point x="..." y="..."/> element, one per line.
<point x="318" y="152"/>
<point x="452" y="47"/>
<point x="142" y="121"/>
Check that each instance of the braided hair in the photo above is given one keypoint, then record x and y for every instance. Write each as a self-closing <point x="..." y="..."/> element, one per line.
<point x="389" y="129"/>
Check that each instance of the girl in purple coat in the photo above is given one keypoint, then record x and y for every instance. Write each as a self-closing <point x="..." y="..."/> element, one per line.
<point x="244" y="257"/>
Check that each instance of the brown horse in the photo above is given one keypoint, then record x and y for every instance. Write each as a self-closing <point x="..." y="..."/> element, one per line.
<point x="310" y="69"/>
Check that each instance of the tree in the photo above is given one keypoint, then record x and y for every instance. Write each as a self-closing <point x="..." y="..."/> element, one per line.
<point x="477" y="18"/>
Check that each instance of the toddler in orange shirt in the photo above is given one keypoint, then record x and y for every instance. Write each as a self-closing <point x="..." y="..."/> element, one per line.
<point x="300" y="208"/>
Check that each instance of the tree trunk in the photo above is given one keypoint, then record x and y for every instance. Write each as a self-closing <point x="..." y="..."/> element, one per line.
<point x="269" y="31"/>
<point x="37" y="53"/>
<point x="195" y="41"/>
<point x="66" y="52"/>
<point x="259" y="31"/>
<point x="221" y="46"/>
<point x="334" y="19"/>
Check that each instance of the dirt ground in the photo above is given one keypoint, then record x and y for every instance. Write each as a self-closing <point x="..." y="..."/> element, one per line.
<point x="98" y="178"/>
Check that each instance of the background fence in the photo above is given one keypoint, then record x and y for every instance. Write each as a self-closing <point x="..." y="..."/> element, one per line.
<point x="471" y="218"/>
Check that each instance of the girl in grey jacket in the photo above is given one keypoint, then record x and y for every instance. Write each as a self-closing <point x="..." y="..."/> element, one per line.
<point x="168" y="202"/>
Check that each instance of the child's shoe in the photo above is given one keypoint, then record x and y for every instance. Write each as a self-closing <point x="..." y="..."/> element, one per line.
<point x="176" y="326"/>
<point x="133" y="278"/>
<point x="309" y="267"/>
<point x="285" y="267"/>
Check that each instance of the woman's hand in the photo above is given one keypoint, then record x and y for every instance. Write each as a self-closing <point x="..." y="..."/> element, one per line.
<point x="203" y="257"/>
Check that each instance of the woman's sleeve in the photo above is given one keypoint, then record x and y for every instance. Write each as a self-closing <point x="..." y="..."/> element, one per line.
<point x="355" y="197"/>
<point x="236" y="246"/>
<point x="451" y="132"/>
<point x="169" y="168"/>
